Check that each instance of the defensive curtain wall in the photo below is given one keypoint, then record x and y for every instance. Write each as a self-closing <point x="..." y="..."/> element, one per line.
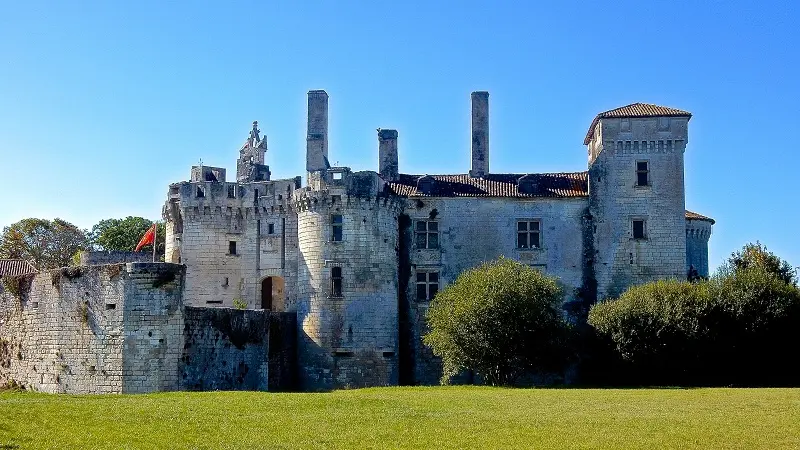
<point x="123" y="328"/>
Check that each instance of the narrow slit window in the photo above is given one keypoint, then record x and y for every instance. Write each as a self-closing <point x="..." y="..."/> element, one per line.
<point x="427" y="234"/>
<point x="270" y="228"/>
<point x="336" y="227"/>
<point x="642" y="173"/>
<point x="427" y="285"/>
<point x="528" y="234"/>
<point x="336" y="281"/>
<point x="232" y="247"/>
<point x="638" y="229"/>
<point x="231" y="191"/>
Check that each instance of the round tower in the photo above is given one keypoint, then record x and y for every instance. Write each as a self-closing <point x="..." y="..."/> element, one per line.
<point x="698" y="231"/>
<point x="347" y="296"/>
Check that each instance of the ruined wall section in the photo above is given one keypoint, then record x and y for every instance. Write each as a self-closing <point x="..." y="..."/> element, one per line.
<point x="230" y="237"/>
<point x="616" y="201"/>
<point x="62" y="331"/>
<point x="475" y="230"/>
<point x="76" y="330"/>
<point x="225" y="349"/>
<point x="152" y="325"/>
<point x="348" y="339"/>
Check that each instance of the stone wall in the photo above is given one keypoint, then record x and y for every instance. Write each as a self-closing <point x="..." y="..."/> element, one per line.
<point x="697" y="234"/>
<point x="616" y="200"/>
<point x="78" y="329"/>
<point x="476" y="230"/>
<point x="225" y="349"/>
<point x="100" y="258"/>
<point x="153" y="326"/>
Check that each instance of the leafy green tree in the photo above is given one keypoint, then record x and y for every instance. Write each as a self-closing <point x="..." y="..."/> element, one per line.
<point x="45" y="244"/>
<point x="757" y="255"/>
<point x="124" y="234"/>
<point x="501" y="320"/>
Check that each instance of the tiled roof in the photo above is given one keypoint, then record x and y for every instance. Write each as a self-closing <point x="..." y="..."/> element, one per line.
<point x="562" y="185"/>
<point x="11" y="267"/>
<point x="635" y="110"/>
<point x="694" y="216"/>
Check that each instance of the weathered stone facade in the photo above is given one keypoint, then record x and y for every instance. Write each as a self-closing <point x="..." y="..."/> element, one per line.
<point x="123" y="328"/>
<point x="357" y="256"/>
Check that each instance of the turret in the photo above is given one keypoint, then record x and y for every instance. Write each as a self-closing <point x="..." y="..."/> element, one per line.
<point x="317" y="132"/>
<point x="250" y="166"/>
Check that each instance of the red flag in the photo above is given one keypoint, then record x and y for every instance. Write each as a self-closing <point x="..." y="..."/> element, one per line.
<point x="148" y="238"/>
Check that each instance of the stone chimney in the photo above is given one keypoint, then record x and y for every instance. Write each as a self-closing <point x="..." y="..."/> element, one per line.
<point x="317" y="137"/>
<point x="480" y="134"/>
<point x="387" y="154"/>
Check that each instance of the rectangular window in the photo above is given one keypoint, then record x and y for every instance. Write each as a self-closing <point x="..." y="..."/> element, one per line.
<point x="427" y="233"/>
<point x="528" y="234"/>
<point x="639" y="229"/>
<point x="336" y="227"/>
<point x="200" y="192"/>
<point x="255" y="198"/>
<point x="336" y="281"/>
<point x="270" y="228"/>
<point x="642" y="173"/>
<point x="231" y="191"/>
<point x="427" y="285"/>
<point x="232" y="247"/>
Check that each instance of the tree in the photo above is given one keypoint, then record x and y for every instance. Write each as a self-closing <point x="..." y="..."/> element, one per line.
<point x="45" y="244"/>
<point x="124" y="234"/>
<point x="757" y="256"/>
<point x="501" y="319"/>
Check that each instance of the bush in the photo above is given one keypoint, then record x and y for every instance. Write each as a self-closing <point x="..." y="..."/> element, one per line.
<point x="500" y="320"/>
<point x="740" y="328"/>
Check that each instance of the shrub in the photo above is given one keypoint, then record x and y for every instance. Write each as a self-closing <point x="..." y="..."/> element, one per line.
<point x="739" y="328"/>
<point x="500" y="320"/>
<point x="239" y="304"/>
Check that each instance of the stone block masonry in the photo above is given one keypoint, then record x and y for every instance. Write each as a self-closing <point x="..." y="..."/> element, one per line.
<point x="123" y="328"/>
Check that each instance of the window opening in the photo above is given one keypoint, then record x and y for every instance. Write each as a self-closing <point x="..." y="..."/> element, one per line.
<point x="642" y="173"/>
<point x="336" y="281"/>
<point x="427" y="285"/>
<point x="427" y="232"/>
<point x="336" y="227"/>
<point x="528" y="234"/>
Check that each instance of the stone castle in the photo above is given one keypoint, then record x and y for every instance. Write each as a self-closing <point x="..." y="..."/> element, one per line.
<point x="336" y="275"/>
<point x="358" y="255"/>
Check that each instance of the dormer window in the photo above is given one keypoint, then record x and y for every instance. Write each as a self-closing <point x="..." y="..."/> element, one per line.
<point x="528" y="184"/>
<point x="426" y="184"/>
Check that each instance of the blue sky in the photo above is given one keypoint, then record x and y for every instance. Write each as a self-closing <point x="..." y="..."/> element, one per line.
<point x="103" y="104"/>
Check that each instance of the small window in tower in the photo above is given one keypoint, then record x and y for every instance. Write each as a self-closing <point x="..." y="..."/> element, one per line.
<point x="200" y="192"/>
<point x="255" y="197"/>
<point x="337" y="175"/>
<point x="642" y="173"/>
<point x="231" y="191"/>
<point x="232" y="247"/>
<point x="336" y="281"/>
<point x="427" y="286"/>
<point x="270" y="228"/>
<point x="529" y="234"/>
<point x="427" y="232"/>
<point x="639" y="229"/>
<point x="336" y="199"/>
<point x="336" y="227"/>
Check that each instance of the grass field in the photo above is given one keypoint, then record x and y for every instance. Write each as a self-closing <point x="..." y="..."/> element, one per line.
<point x="453" y="417"/>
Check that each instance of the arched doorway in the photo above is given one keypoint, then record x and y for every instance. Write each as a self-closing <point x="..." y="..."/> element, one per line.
<point x="272" y="293"/>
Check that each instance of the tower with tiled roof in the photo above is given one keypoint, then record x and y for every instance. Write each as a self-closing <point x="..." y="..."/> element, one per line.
<point x="636" y="195"/>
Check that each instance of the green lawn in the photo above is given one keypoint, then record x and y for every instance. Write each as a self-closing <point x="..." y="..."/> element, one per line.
<point x="452" y="417"/>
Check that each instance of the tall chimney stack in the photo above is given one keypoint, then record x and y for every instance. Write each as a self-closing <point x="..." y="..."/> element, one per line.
<point x="387" y="154"/>
<point x="480" y="134"/>
<point x="317" y="138"/>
